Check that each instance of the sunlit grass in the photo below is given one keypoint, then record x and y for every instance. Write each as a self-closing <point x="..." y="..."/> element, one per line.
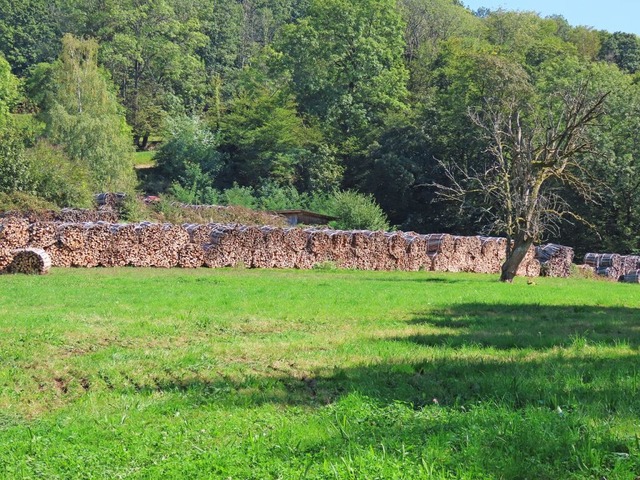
<point x="140" y="373"/>
<point x="144" y="159"/>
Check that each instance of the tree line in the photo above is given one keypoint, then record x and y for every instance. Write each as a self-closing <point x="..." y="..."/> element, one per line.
<point x="298" y="99"/>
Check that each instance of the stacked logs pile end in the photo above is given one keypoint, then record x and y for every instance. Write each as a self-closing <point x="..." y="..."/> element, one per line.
<point x="31" y="261"/>
<point x="555" y="260"/>
<point x="93" y="244"/>
<point x="611" y="266"/>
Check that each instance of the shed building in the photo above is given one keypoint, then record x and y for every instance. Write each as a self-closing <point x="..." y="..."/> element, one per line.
<point x="296" y="217"/>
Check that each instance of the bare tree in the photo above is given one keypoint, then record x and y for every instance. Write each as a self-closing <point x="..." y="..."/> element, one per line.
<point x="534" y="150"/>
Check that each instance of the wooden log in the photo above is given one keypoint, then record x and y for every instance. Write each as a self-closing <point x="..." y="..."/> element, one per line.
<point x="223" y="248"/>
<point x="43" y="234"/>
<point x="440" y="248"/>
<point x="14" y="233"/>
<point x="555" y="260"/>
<point x="608" y="265"/>
<point x="97" y="241"/>
<point x="319" y="246"/>
<point x="417" y="257"/>
<point x="71" y="235"/>
<point x="191" y="255"/>
<point x="295" y="238"/>
<point x="630" y="264"/>
<point x="31" y="261"/>
<point x="342" y="247"/>
<point x="380" y="258"/>
<point x="631" y="277"/>
<point x="280" y="253"/>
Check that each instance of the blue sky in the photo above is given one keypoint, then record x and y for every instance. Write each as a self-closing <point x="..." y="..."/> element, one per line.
<point x="611" y="15"/>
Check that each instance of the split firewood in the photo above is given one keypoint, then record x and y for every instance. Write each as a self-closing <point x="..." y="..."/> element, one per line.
<point x="31" y="261"/>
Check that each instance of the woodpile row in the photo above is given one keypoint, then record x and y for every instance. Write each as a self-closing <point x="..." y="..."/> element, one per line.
<point x="555" y="260"/>
<point x="624" y="268"/>
<point x="92" y="244"/>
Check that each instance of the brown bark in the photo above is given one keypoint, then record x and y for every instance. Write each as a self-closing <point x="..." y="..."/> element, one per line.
<point x="517" y="253"/>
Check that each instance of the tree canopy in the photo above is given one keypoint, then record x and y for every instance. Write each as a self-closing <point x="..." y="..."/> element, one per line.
<point x="316" y="97"/>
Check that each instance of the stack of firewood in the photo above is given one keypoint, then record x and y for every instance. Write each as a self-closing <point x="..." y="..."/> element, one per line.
<point x="31" y="261"/>
<point x="607" y="265"/>
<point x="555" y="260"/>
<point x="625" y="268"/>
<point x="493" y="252"/>
<point x="630" y="264"/>
<point x="92" y="244"/>
<point x="631" y="277"/>
<point x="14" y="234"/>
<point x="110" y="199"/>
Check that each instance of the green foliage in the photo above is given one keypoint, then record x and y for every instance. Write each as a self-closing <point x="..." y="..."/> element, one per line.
<point x="623" y="49"/>
<point x="327" y="265"/>
<point x="8" y="91"/>
<point x="133" y="209"/>
<point x="274" y="197"/>
<point x="239" y="196"/>
<point x="30" y="31"/>
<point x="24" y="202"/>
<point x="346" y="64"/>
<point x="527" y="37"/>
<point x="188" y="143"/>
<point x="84" y="118"/>
<point x="189" y="155"/>
<point x="265" y="137"/>
<point x="152" y="60"/>
<point x="431" y="22"/>
<point x="50" y="170"/>
<point x="15" y="174"/>
<point x="309" y="96"/>
<point x="194" y="187"/>
<point x="357" y="211"/>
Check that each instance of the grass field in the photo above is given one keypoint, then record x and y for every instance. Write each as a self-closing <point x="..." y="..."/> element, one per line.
<point x="144" y="159"/>
<point x="137" y="373"/>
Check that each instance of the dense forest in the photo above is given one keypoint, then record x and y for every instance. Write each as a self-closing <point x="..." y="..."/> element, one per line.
<point x="294" y="103"/>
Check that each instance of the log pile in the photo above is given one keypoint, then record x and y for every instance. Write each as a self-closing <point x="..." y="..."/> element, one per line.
<point x="31" y="261"/>
<point x="555" y="260"/>
<point x="110" y="199"/>
<point x="493" y="252"/>
<point x="630" y="264"/>
<point x="14" y="234"/>
<point x="92" y="244"/>
<point x="631" y="277"/>
<point x="606" y="265"/>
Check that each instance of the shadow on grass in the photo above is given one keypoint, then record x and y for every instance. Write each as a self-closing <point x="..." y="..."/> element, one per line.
<point x="528" y="326"/>
<point x="514" y="355"/>
<point x="421" y="280"/>
<point x="458" y="396"/>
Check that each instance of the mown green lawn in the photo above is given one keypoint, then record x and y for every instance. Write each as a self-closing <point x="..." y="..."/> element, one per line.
<point x="141" y="373"/>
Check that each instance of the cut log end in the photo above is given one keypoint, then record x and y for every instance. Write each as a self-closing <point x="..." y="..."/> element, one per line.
<point x="30" y="261"/>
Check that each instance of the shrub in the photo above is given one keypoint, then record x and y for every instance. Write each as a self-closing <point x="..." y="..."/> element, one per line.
<point x="188" y="142"/>
<point x="275" y="197"/>
<point x="15" y="175"/>
<point x="56" y="178"/>
<point x="240" y="196"/>
<point x="195" y="187"/>
<point x="357" y="211"/>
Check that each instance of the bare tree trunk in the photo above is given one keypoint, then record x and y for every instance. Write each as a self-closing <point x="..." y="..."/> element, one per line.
<point x="520" y="248"/>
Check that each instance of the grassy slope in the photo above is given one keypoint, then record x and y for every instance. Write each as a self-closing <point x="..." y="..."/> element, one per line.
<point x="129" y="373"/>
<point x="144" y="159"/>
